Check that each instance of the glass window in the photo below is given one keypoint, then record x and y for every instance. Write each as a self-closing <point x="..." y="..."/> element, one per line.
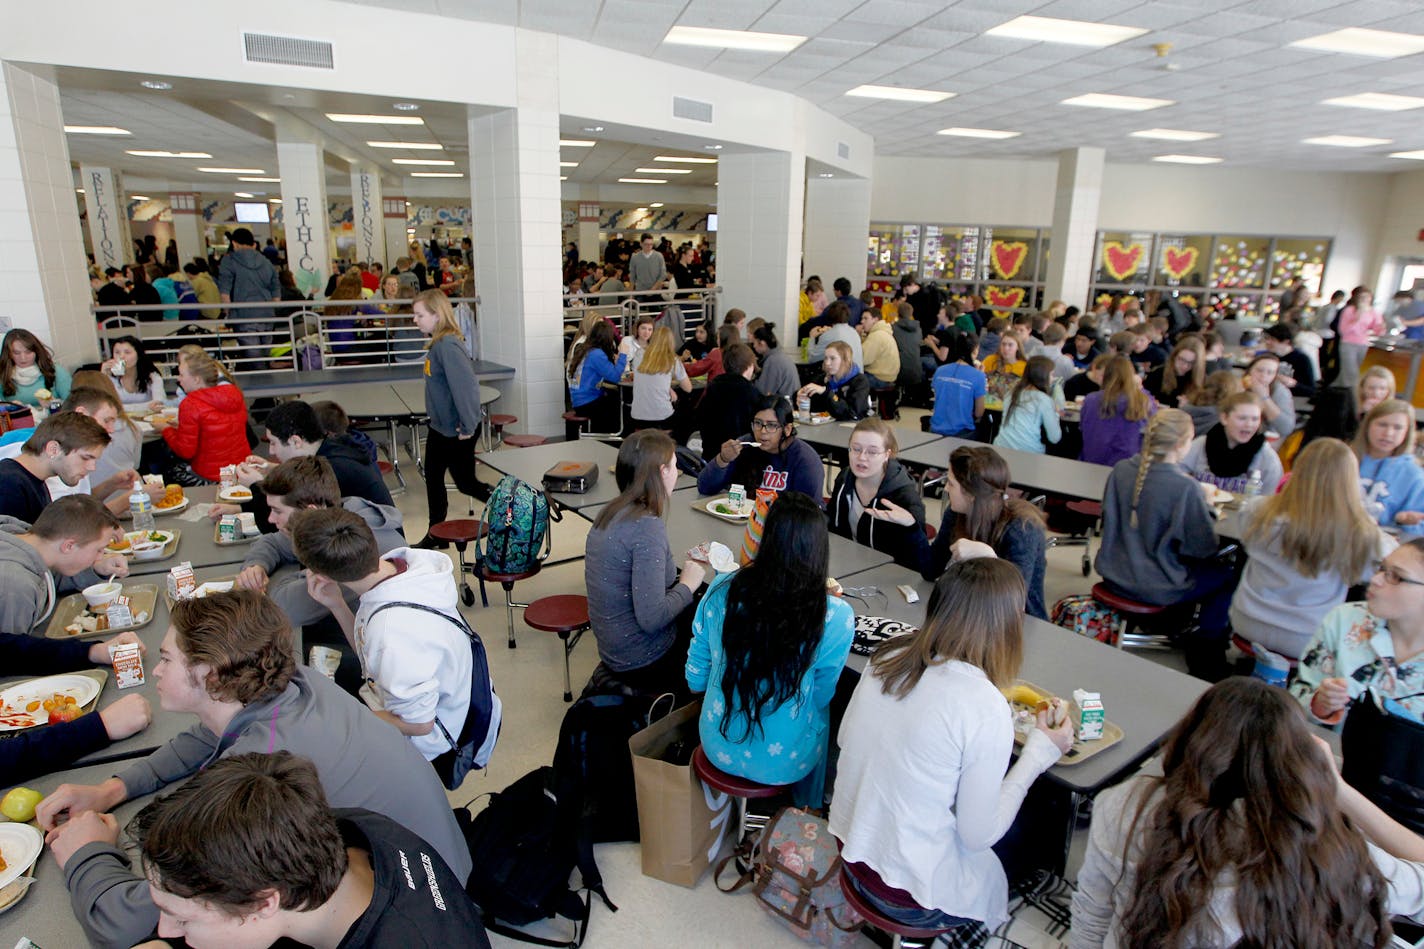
<point x="1011" y="254"/>
<point x="1246" y="305"/>
<point x="1123" y="258"/>
<point x="951" y="252"/>
<point x="881" y="250"/>
<point x="1182" y="260"/>
<point x="1299" y="257"/>
<point x="1240" y="263"/>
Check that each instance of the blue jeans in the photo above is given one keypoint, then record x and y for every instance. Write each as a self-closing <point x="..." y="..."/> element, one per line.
<point x="917" y="917"/>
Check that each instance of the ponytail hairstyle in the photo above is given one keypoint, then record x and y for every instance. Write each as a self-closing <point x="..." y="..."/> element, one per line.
<point x="1120" y="382"/>
<point x="983" y="475"/>
<point x="1038" y="374"/>
<point x="1167" y="429"/>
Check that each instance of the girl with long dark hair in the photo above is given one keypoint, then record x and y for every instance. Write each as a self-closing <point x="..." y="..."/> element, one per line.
<point x="594" y="362"/>
<point x="1031" y="416"/>
<point x="776" y="459"/>
<point x="768" y="645"/>
<point x="135" y="377"/>
<point x="27" y="367"/>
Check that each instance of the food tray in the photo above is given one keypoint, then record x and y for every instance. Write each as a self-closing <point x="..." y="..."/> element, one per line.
<point x="241" y="538"/>
<point x="1081" y="750"/>
<point x="706" y="506"/>
<point x="143" y="598"/>
<point x="169" y="549"/>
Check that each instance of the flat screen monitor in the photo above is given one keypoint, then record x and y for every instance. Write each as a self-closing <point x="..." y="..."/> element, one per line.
<point x="251" y="212"/>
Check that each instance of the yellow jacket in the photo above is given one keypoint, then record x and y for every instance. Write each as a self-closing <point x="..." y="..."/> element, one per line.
<point x="882" y="356"/>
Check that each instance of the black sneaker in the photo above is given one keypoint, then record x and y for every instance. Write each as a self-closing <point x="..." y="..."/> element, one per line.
<point x="431" y="543"/>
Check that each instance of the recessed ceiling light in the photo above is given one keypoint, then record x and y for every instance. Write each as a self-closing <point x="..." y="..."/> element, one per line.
<point x="405" y="107"/>
<point x="576" y="143"/>
<point x="664" y="171"/>
<point x="437" y="174"/>
<point x="1415" y="155"/>
<point x="1346" y="141"/>
<point x="354" y="119"/>
<point x="568" y="164"/>
<point x="643" y="181"/>
<point x="678" y="159"/>
<point x="1379" y="101"/>
<point x="234" y="171"/>
<point x="96" y="130"/>
<point x="713" y="148"/>
<point x="899" y="94"/>
<point x="1361" y="42"/>
<point x="1175" y="135"/>
<point x="139" y="197"/>
<point x="825" y="174"/>
<point x="656" y="204"/>
<point x="1073" y="32"/>
<point x="155" y="153"/>
<point x="259" y="179"/>
<point x="1188" y="159"/>
<point x="242" y="194"/>
<point x="640" y="210"/>
<point x="421" y="161"/>
<point x="274" y="200"/>
<point x="733" y="39"/>
<point x="413" y="146"/>
<point x="593" y="128"/>
<point x="78" y="190"/>
<point x="1103" y="100"/>
<point x="563" y="177"/>
<point x="158" y="84"/>
<point x="978" y="133"/>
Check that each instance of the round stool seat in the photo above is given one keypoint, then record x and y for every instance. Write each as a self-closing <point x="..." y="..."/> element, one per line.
<point x="384" y="467"/>
<point x="1122" y="604"/>
<point x="930" y="532"/>
<point x="877" y="919"/>
<point x="1086" y="508"/>
<point x="499" y="421"/>
<point x="510" y="578"/>
<point x="563" y="613"/>
<point x="729" y="784"/>
<point x="524" y="441"/>
<point x="574" y="417"/>
<point x="461" y="531"/>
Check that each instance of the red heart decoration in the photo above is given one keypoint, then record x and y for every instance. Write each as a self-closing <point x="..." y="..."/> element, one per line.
<point x="1178" y="263"/>
<point x="1008" y="257"/>
<point x="1003" y="299"/>
<point x="1121" y="261"/>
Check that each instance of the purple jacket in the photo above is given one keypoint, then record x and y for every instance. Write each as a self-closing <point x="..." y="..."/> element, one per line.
<point x="1106" y="441"/>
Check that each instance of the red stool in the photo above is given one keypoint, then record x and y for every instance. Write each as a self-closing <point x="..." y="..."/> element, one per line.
<point x="507" y="582"/>
<point x="1133" y="612"/>
<point x="524" y="441"/>
<point x="497" y="424"/>
<point x="930" y="532"/>
<point x="565" y="614"/>
<point x="1244" y="647"/>
<point x="1089" y="509"/>
<point x="741" y="789"/>
<point x="899" y="932"/>
<point x="461" y="533"/>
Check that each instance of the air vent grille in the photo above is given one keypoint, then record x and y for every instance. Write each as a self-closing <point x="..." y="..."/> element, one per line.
<point x="842" y="150"/>
<point x="691" y="109"/>
<point x="287" y="51"/>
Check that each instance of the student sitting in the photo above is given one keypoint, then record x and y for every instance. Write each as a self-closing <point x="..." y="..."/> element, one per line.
<point x="1277" y="403"/>
<point x="249" y="852"/>
<point x="1176" y="860"/>
<point x="1305" y="547"/>
<point x="979" y="513"/>
<point x="1389" y="472"/>
<point x="211" y="431"/>
<point x="1054" y="336"/>
<point x="1235" y="448"/>
<point x="874" y="501"/>
<point x="917" y="815"/>
<point x="227" y="660"/>
<point x="417" y="669"/>
<point x="37" y="751"/>
<point x="1031" y="414"/>
<point x="711" y="365"/>
<point x="335" y="423"/>
<point x="959" y="391"/>
<point x="882" y="355"/>
<point x="778" y="370"/>
<point x="635" y="592"/>
<point x="133" y="374"/>
<point x="301" y="484"/>
<point x="845" y="393"/>
<point x="114" y="473"/>
<point x="729" y="402"/>
<point x="66" y="446"/>
<point x="940" y="339"/>
<point x="293" y="431"/>
<point x="593" y="365"/>
<point x="61" y="553"/>
<point x="28" y="370"/>
<point x="779" y="461"/>
<point x="994" y="332"/>
<point x="768" y="646"/>
<point x="1086" y="382"/>
<point x="1179" y="377"/>
<point x="1202" y="404"/>
<point x="1008" y="358"/>
<point x="1114" y="417"/>
<point x="657" y="372"/>
<point x="703" y="341"/>
<point x="1084" y="347"/>
<point x="839" y="331"/>
<point x="636" y="342"/>
<point x="1297" y="371"/>
<point x="1159" y="543"/>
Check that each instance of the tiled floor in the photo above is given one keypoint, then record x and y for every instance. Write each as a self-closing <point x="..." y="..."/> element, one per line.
<point x="529" y="680"/>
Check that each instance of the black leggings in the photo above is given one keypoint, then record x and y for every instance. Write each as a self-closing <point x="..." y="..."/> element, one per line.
<point x="457" y="456"/>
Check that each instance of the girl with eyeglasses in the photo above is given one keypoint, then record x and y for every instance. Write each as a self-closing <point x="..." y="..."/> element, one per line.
<point x="1377" y="644"/>
<point x="874" y="501"/>
<point x="772" y="458"/>
<point x="1180" y="376"/>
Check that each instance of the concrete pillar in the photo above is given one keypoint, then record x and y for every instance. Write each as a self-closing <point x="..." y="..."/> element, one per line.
<point x="393" y="222"/>
<point x="588" y="246"/>
<point x="1075" y="225"/>
<point x="760" y="202"/>
<point x="108" y="216"/>
<point x="187" y="225"/>
<point x="515" y="202"/>
<point x="301" y="165"/>
<point x="368" y="214"/>
<point x="837" y="225"/>
<point x="43" y="287"/>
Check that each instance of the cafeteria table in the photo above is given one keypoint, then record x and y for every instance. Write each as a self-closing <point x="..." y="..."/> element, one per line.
<point x="1040" y="473"/>
<point x="298" y="381"/>
<point x="529" y="464"/>
<point x="196" y="543"/>
<point x="836" y="436"/>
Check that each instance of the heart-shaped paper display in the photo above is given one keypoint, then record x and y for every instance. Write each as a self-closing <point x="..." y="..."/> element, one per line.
<point x="1119" y="261"/>
<point x="1178" y="262"/>
<point x="1003" y="299"/>
<point x="1008" y="258"/>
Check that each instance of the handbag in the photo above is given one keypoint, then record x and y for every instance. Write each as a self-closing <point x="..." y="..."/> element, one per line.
<point x="1384" y="759"/>
<point x="15" y="415"/>
<point x="571" y="477"/>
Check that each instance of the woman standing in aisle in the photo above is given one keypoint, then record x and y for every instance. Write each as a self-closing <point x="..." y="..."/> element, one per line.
<point x="1355" y="325"/>
<point x="452" y="403"/>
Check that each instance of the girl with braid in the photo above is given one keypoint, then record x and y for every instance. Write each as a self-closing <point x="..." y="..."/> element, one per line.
<point x="1159" y="545"/>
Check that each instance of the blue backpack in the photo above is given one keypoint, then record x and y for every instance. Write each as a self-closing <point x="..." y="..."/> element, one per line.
<point x="516" y="519"/>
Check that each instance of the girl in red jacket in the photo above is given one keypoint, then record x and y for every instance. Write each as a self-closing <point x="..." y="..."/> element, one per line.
<point x="212" y="423"/>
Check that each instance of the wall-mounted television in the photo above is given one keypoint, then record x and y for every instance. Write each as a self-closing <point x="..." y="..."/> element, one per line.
<point x="251" y="212"/>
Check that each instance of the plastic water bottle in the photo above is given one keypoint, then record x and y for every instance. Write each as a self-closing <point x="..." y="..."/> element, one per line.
<point x="1253" y="485"/>
<point x="141" y="508"/>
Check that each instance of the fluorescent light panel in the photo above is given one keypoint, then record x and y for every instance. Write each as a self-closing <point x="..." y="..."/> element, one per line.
<point x="354" y="119"/>
<point x="1346" y="141"/>
<point x="664" y="171"/>
<point x="242" y="194"/>
<point x="656" y="204"/>
<point x="233" y="171"/>
<point x="421" y="161"/>
<point x="733" y="39"/>
<point x="414" y="146"/>
<point x="978" y="133"/>
<point x="1379" y="101"/>
<point x="568" y="164"/>
<point x="576" y="143"/>
<point x="153" y="153"/>
<point x="682" y="160"/>
<point x="1415" y="155"/>
<point x="899" y="94"/>
<point x="1357" y="41"/>
<point x="1103" y="100"/>
<point x="437" y="174"/>
<point x="1175" y="135"/>
<point x="259" y="179"/>
<point x="139" y="197"/>
<point x="1188" y="159"/>
<point x="643" y="181"/>
<point x="1071" y="32"/>
<point x="96" y="130"/>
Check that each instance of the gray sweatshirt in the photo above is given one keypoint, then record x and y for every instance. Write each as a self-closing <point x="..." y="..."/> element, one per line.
<point x="361" y="760"/>
<point x="248" y="277"/>
<point x="646" y="269"/>
<point x="1152" y="562"/>
<point x="778" y="375"/>
<point x="29" y="589"/>
<point x="633" y="595"/>
<point x="274" y="551"/>
<point x="452" y="389"/>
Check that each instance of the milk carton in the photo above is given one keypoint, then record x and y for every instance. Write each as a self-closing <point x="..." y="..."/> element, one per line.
<point x="181" y="582"/>
<point x="1090" y="714"/>
<point x="120" y="613"/>
<point x="228" y="529"/>
<point x="128" y="665"/>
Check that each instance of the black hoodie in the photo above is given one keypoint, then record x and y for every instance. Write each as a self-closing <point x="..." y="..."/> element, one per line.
<point x="355" y="472"/>
<point x="906" y="544"/>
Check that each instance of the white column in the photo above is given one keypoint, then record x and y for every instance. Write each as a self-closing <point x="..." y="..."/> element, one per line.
<point x="187" y="225"/>
<point x="43" y="287"/>
<point x="393" y="222"/>
<point x="368" y="214"/>
<point x="301" y="166"/>
<point x="760" y="201"/>
<point x="588" y="246"/>
<point x="837" y="226"/>
<point x="515" y="202"/>
<point x="1075" y="225"/>
<point x="108" y="216"/>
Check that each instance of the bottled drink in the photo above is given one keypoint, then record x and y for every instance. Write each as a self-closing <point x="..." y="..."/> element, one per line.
<point x="141" y="508"/>
<point x="1253" y="484"/>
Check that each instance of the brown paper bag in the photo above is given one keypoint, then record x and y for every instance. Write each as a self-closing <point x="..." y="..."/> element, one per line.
<point x="683" y="822"/>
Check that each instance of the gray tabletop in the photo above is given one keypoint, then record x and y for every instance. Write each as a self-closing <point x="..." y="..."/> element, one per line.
<point x="837" y="435"/>
<point x="529" y="464"/>
<point x="1061" y="476"/>
<point x="375" y="401"/>
<point x="196" y="543"/>
<point x="1142" y="696"/>
<point x="306" y="380"/>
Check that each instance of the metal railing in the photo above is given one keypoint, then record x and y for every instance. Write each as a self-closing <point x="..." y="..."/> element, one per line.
<point x="696" y="306"/>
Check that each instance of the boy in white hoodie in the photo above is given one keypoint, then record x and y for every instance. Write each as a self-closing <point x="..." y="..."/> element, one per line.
<point x="417" y="667"/>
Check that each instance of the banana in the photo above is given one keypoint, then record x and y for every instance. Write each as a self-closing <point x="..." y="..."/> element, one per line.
<point x="1023" y="695"/>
